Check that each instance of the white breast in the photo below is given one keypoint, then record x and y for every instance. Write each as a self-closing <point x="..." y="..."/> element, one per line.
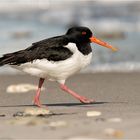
<point x="59" y="70"/>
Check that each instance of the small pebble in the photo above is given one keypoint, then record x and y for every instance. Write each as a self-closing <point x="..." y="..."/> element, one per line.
<point x="2" y="115"/>
<point x="18" y="114"/>
<point x="100" y="119"/>
<point x="93" y="113"/>
<point x="58" y="123"/>
<point x="116" y="120"/>
<point x="114" y="133"/>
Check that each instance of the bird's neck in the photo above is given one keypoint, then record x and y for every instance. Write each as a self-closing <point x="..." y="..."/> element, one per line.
<point x="84" y="48"/>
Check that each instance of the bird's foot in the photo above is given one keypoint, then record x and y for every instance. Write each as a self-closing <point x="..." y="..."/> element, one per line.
<point x="37" y="102"/>
<point x="84" y="100"/>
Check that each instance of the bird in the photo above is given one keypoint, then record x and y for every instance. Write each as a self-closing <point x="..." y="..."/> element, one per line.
<point x="56" y="58"/>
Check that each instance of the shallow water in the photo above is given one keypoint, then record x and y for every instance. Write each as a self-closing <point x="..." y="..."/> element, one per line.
<point x="126" y="59"/>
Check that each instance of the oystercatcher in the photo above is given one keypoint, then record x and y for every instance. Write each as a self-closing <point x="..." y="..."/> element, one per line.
<point x="56" y="58"/>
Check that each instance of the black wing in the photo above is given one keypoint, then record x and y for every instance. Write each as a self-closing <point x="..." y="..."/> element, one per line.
<point x="51" y="49"/>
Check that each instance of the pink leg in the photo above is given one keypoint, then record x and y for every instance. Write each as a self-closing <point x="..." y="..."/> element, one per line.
<point x="37" y="96"/>
<point x="82" y="99"/>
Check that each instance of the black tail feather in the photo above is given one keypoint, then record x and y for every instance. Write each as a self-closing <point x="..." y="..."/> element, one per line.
<point x="13" y="58"/>
<point x="7" y="59"/>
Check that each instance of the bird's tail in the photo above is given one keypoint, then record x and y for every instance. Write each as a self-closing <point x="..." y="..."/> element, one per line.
<point x="11" y="58"/>
<point x="7" y="59"/>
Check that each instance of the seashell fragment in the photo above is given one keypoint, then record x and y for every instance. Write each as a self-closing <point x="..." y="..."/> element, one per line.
<point x="58" y="123"/>
<point x="93" y="113"/>
<point x="114" y="133"/>
<point x="41" y="112"/>
<point x="37" y="111"/>
<point x="116" y="120"/>
<point x="21" y="88"/>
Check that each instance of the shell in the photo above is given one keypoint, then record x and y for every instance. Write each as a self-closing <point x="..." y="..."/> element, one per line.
<point x="21" y="88"/>
<point x="93" y="113"/>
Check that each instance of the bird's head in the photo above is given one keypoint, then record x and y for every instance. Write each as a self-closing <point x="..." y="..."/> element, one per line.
<point x="84" y="35"/>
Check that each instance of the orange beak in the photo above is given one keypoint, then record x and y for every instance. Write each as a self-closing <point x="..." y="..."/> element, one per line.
<point x="97" y="41"/>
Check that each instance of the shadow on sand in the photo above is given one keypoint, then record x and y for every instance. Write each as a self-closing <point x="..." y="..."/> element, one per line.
<point x="60" y="104"/>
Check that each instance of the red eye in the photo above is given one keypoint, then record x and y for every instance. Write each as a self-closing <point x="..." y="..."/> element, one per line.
<point x="84" y="33"/>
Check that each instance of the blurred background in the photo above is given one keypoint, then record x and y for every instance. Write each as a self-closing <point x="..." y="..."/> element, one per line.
<point x="117" y="22"/>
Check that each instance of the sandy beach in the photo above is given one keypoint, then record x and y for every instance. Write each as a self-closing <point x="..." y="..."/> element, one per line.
<point x="117" y="98"/>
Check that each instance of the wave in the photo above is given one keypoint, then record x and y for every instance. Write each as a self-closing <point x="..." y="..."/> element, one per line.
<point x="115" y="67"/>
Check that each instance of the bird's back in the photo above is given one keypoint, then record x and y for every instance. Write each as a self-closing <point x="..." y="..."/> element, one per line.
<point x="51" y="49"/>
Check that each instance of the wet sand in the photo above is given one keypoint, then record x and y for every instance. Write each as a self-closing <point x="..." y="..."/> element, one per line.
<point x="117" y="95"/>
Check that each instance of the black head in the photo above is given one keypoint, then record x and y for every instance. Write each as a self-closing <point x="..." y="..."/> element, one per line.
<point x="79" y="34"/>
<point x="83" y="36"/>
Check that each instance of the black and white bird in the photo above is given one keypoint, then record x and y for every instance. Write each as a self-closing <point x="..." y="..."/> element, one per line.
<point x="56" y="58"/>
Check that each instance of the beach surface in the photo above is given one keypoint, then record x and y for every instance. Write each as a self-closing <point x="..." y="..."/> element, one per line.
<point x="117" y="108"/>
